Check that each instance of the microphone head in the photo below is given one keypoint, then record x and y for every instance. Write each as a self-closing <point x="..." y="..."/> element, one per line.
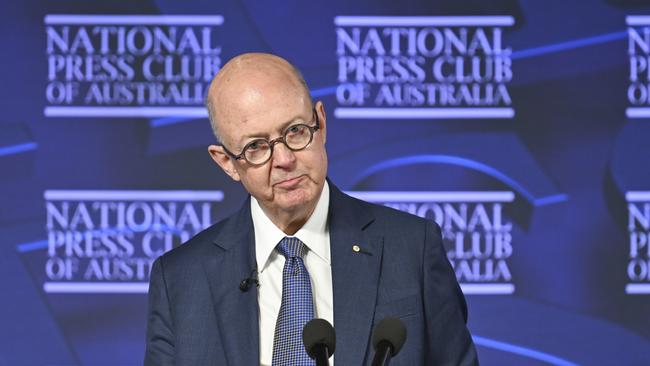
<point x="244" y="285"/>
<point x="391" y="330"/>
<point x="318" y="331"/>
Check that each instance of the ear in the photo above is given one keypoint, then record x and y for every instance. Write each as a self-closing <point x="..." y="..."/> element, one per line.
<point x="322" y="118"/>
<point x="219" y="155"/>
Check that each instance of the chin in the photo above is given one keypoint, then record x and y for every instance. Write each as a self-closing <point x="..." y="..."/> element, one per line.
<point x="298" y="199"/>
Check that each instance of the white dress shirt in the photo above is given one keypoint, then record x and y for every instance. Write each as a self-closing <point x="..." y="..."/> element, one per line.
<point x="270" y="263"/>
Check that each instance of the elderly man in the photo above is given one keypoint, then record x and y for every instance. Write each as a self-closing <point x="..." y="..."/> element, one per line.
<point x="307" y="249"/>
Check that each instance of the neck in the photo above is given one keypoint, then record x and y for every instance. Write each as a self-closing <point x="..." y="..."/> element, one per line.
<point x="289" y="222"/>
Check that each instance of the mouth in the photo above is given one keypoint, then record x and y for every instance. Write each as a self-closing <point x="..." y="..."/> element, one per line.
<point x="289" y="183"/>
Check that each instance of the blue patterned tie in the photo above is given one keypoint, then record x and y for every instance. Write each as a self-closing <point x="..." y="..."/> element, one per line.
<point x="297" y="307"/>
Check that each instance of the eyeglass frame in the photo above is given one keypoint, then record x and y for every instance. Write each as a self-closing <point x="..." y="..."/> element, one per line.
<point x="281" y="139"/>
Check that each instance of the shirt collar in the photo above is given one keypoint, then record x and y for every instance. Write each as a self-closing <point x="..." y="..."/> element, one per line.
<point x="314" y="233"/>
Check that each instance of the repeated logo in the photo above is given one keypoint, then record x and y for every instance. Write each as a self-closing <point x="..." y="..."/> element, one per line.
<point x="106" y="241"/>
<point x="130" y="65"/>
<point x="420" y="67"/>
<point x="638" y="49"/>
<point x="638" y="269"/>
<point x="476" y="234"/>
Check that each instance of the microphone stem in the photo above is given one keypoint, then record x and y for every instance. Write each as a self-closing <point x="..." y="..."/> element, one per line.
<point x="321" y="362"/>
<point x="382" y="355"/>
<point x="322" y="355"/>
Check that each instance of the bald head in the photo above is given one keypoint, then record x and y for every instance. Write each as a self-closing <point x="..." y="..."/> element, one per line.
<point x="247" y="82"/>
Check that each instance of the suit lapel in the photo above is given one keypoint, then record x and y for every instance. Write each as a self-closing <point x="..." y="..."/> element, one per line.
<point x="355" y="276"/>
<point x="236" y="311"/>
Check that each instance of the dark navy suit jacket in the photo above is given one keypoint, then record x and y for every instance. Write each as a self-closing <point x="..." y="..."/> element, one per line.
<point x="198" y="316"/>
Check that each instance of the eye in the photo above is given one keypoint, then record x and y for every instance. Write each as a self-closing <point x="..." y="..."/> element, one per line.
<point x="295" y="130"/>
<point x="254" y="145"/>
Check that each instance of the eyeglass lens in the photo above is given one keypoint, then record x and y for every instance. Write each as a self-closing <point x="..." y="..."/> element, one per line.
<point x="296" y="137"/>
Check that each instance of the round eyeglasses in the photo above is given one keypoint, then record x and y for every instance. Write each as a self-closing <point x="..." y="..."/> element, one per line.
<point x="296" y="137"/>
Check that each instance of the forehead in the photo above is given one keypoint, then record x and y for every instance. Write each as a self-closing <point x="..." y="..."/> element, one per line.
<point x="259" y="102"/>
<point x="263" y="125"/>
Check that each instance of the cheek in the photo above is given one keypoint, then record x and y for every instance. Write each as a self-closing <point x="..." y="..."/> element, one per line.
<point x="322" y="165"/>
<point x="256" y="179"/>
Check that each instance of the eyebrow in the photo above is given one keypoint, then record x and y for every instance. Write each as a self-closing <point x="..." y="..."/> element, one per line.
<point x="260" y="135"/>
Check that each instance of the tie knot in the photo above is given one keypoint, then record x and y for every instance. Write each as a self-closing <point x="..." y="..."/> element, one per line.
<point x="291" y="247"/>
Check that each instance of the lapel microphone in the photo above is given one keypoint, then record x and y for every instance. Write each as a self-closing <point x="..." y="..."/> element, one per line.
<point x="247" y="282"/>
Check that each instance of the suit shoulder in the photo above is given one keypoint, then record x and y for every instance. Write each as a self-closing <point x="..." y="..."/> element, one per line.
<point x="395" y="225"/>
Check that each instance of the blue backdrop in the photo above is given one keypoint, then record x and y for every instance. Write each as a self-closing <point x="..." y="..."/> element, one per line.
<point x="521" y="127"/>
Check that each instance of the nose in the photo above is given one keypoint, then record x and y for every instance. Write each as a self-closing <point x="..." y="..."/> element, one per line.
<point x="283" y="157"/>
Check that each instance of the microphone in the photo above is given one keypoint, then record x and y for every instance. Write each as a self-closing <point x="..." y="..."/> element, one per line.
<point x="320" y="340"/>
<point x="246" y="283"/>
<point x="388" y="338"/>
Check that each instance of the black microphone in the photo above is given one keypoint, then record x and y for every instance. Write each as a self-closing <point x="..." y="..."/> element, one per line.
<point x="246" y="283"/>
<point x="319" y="340"/>
<point x="388" y="338"/>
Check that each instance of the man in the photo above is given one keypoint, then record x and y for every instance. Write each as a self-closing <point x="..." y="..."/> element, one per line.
<point x="353" y="263"/>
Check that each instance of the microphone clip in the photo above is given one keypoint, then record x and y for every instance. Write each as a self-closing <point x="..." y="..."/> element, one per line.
<point x="247" y="282"/>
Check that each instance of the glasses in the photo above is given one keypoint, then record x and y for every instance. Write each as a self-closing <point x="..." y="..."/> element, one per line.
<point x="296" y="137"/>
